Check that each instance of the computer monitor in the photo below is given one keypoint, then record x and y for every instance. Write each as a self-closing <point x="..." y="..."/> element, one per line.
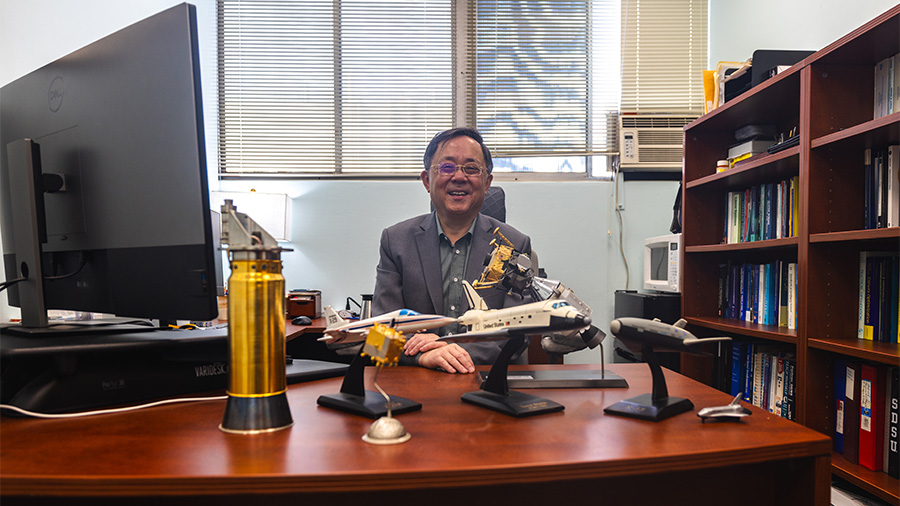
<point x="119" y="125"/>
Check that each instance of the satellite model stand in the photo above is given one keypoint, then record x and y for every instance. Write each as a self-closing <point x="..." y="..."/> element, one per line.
<point x="651" y="334"/>
<point x="353" y="397"/>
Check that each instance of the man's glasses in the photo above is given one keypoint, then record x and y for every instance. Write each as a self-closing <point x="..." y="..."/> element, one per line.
<point x="450" y="168"/>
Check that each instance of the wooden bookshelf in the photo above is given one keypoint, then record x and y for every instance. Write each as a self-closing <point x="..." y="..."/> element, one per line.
<point x="829" y="96"/>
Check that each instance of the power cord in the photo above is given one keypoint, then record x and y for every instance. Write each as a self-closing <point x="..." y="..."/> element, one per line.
<point x="111" y="410"/>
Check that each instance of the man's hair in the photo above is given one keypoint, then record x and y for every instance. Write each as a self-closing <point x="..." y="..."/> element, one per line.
<point x="446" y="135"/>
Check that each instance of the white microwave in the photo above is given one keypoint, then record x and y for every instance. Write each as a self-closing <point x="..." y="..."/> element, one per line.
<point x="662" y="263"/>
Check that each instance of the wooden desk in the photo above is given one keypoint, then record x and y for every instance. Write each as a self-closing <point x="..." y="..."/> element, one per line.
<point x="458" y="453"/>
<point x="292" y="331"/>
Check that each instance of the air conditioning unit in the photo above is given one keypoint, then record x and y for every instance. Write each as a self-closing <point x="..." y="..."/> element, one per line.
<point x="651" y="142"/>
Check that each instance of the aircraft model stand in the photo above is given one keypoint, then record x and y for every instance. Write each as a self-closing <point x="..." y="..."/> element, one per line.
<point x="354" y="398"/>
<point x="656" y="406"/>
<point x="651" y="334"/>
<point x="496" y="395"/>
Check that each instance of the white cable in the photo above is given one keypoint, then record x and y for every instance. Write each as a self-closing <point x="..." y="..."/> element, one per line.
<point x="112" y="410"/>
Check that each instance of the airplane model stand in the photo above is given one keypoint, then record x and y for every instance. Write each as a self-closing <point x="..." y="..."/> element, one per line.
<point x="355" y="399"/>
<point x="656" y="406"/>
<point x="496" y="395"/>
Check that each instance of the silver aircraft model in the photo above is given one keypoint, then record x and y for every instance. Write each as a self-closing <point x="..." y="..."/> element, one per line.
<point x="733" y="411"/>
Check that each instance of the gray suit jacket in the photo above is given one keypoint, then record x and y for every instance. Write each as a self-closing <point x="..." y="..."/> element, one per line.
<point x="409" y="273"/>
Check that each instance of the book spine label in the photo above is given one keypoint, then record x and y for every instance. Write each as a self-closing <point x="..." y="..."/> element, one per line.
<point x="892" y="431"/>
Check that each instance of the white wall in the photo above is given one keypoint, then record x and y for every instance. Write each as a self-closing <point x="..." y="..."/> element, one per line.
<point x="737" y="28"/>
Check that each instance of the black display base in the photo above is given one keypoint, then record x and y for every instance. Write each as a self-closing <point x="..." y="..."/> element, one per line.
<point x="646" y="408"/>
<point x="517" y="404"/>
<point x="496" y="395"/>
<point x="552" y="378"/>
<point x="371" y="405"/>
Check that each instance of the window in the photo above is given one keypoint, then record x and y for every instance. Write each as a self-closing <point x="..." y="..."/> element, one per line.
<point x="341" y="87"/>
<point x="313" y="87"/>
<point x="546" y="82"/>
<point x="664" y="48"/>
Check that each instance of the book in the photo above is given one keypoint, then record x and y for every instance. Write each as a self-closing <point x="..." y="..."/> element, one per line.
<point x="790" y="380"/>
<point x="749" y="363"/>
<point x="893" y="186"/>
<point x="897" y="82"/>
<point x="757" y="398"/>
<point x="840" y="382"/>
<point x="782" y="292"/>
<point x="889" y="90"/>
<point x="871" y="418"/>
<point x="869" y="190"/>
<point x="737" y="364"/>
<point x="881" y="71"/>
<point x="892" y="429"/>
<point x="878" y="159"/>
<point x="778" y="390"/>
<point x="886" y="392"/>
<point x="795" y="204"/>
<point x="895" y="301"/>
<point x="852" y="413"/>
<point x="870" y="316"/>
<point x="884" y="299"/>
<point x="792" y="295"/>
<point x="753" y="146"/>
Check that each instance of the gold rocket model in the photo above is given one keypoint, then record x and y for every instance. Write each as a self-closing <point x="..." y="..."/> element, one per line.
<point x="257" y="386"/>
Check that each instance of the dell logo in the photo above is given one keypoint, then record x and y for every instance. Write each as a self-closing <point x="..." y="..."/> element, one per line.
<point x="56" y="93"/>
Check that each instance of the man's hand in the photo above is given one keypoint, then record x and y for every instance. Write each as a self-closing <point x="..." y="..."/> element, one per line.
<point x="451" y="358"/>
<point x="420" y="343"/>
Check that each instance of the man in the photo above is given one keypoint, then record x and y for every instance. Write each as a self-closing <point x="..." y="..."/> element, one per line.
<point x="424" y="260"/>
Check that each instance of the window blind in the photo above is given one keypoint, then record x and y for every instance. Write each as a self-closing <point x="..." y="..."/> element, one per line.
<point x="664" y="51"/>
<point x="321" y="87"/>
<point x="533" y="77"/>
<point x="332" y="86"/>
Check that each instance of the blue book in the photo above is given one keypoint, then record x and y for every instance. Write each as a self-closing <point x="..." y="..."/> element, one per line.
<point x="770" y="216"/>
<point x="840" y="386"/>
<point x="772" y="293"/>
<point x="895" y="300"/>
<point x="766" y="295"/>
<point x="742" y="290"/>
<point x="754" y="213"/>
<point x="737" y="361"/>
<point x="749" y="351"/>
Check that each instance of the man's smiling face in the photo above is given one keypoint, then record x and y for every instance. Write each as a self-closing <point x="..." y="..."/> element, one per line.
<point x="457" y="195"/>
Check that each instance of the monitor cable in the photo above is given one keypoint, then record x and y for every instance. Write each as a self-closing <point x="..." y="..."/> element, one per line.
<point x="34" y="414"/>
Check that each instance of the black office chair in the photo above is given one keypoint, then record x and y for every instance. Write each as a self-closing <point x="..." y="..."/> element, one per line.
<point x="495" y="203"/>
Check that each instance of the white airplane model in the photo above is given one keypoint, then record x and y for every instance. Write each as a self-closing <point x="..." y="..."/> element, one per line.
<point x="485" y="324"/>
<point x="340" y="330"/>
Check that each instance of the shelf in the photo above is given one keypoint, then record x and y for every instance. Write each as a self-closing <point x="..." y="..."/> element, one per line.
<point x="883" y="353"/>
<point x="761" y="168"/>
<point x="876" y="234"/>
<point x="786" y="243"/>
<point x="871" y="134"/>
<point x="770" y="332"/>
<point x="875" y="482"/>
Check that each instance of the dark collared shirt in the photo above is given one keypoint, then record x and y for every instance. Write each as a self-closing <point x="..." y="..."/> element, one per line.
<point x="453" y="270"/>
